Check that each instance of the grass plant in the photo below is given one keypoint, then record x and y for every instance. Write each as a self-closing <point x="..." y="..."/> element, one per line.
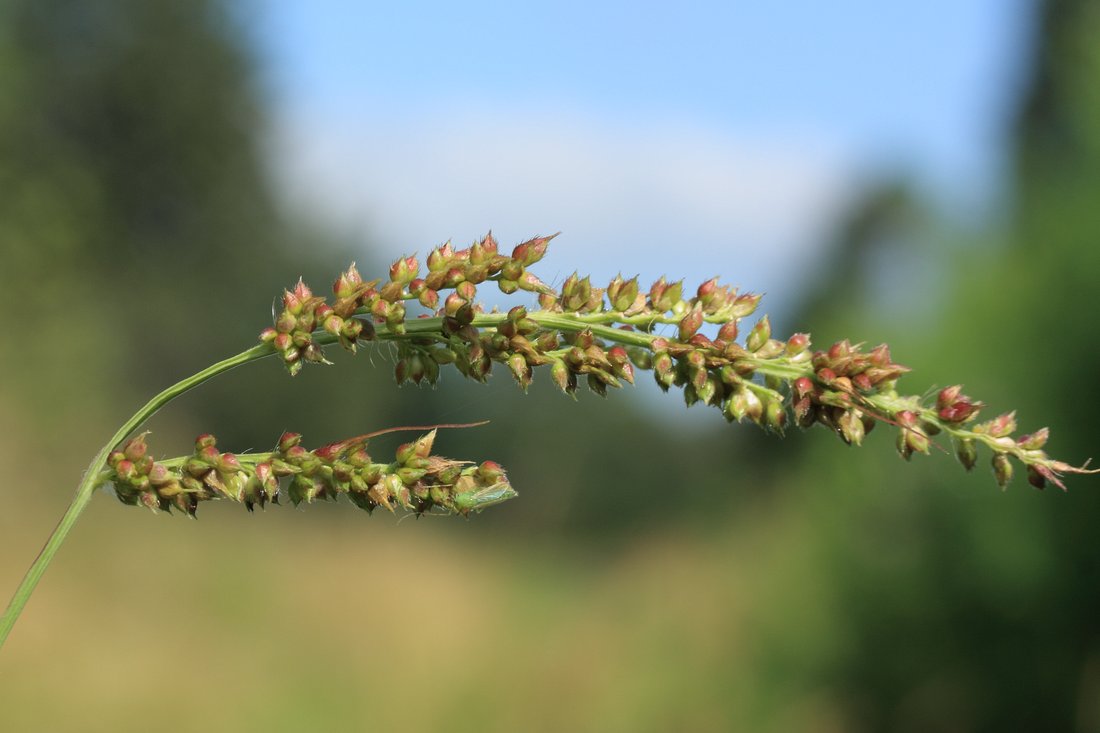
<point x="579" y="333"/>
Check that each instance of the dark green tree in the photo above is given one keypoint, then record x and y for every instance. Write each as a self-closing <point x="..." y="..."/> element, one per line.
<point x="132" y="175"/>
<point x="138" y="218"/>
<point x="950" y="608"/>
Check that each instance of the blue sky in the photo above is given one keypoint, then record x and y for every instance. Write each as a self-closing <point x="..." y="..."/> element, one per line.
<point x="714" y="138"/>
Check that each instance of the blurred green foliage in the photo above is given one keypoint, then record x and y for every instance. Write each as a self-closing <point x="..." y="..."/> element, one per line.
<point x="136" y="202"/>
<point x="961" y="610"/>
<point x="653" y="576"/>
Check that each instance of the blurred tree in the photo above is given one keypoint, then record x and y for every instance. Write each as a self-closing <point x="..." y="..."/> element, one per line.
<point x="880" y="223"/>
<point x="138" y="219"/>
<point x="129" y="158"/>
<point x="951" y="608"/>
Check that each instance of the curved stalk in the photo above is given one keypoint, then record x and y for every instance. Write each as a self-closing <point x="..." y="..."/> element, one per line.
<point x="92" y="478"/>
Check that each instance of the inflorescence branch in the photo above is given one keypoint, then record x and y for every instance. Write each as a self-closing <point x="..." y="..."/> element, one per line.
<point x="604" y="334"/>
<point x="415" y="480"/>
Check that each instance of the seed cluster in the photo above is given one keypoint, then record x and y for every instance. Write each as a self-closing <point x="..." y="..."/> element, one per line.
<point x="415" y="480"/>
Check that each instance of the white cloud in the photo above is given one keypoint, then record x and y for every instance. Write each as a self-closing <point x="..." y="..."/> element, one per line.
<point x="652" y="198"/>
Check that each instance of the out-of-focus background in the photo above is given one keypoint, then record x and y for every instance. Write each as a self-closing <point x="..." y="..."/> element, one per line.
<point x="922" y="173"/>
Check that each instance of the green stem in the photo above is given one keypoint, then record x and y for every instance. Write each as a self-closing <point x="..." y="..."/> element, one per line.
<point x="92" y="479"/>
<point x="563" y="322"/>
